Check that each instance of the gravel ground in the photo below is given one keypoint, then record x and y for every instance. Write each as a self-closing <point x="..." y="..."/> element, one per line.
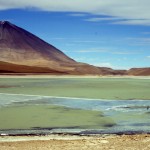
<point x="123" y="142"/>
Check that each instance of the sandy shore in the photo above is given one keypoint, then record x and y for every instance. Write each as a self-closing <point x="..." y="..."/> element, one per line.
<point x="68" y="76"/>
<point x="60" y="142"/>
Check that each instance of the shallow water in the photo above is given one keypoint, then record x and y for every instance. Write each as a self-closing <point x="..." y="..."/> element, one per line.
<point x="128" y="115"/>
<point x="94" y="88"/>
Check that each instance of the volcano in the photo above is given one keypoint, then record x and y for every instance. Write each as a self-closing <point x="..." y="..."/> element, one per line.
<point x="23" y="52"/>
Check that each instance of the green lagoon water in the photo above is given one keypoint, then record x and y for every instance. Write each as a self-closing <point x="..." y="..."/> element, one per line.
<point x="50" y="116"/>
<point x="111" y="105"/>
<point x="95" y="88"/>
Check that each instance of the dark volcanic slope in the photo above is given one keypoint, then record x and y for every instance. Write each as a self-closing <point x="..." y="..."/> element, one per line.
<point x="20" y="46"/>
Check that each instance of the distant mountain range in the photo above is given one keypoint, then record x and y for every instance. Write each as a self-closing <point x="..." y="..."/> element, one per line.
<point x="23" y="52"/>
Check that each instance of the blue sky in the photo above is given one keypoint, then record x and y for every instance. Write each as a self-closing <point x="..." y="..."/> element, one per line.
<point x="112" y="34"/>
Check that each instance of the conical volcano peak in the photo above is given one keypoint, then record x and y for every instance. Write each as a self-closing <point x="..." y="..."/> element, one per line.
<point x="20" y="46"/>
<point x="22" y="51"/>
<point x="6" y="31"/>
<point x="3" y="23"/>
<point x="8" y="25"/>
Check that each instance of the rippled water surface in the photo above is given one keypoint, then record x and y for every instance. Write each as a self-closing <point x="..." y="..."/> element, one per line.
<point x="127" y="115"/>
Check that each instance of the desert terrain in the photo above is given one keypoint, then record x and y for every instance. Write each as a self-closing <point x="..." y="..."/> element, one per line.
<point x="64" y="142"/>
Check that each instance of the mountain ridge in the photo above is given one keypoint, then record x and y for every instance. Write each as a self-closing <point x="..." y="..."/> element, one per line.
<point x="22" y="51"/>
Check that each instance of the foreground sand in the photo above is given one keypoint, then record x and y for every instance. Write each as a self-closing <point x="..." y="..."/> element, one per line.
<point x="123" y="142"/>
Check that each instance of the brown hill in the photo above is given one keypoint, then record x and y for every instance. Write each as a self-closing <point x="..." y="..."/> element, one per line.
<point x="139" y="71"/>
<point x="14" y="68"/>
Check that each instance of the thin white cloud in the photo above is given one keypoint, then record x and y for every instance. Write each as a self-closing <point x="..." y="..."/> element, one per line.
<point x="135" y="11"/>
<point x="86" y="41"/>
<point x="58" y="38"/>
<point x="110" y="51"/>
<point x="146" y="33"/>
<point x="93" y="51"/>
<point x="125" y="52"/>
<point x="148" y="57"/>
<point x="78" y="15"/>
<point x="134" y="22"/>
<point x="104" y="64"/>
<point x="139" y="41"/>
<point x="86" y="59"/>
<point x="109" y="65"/>
<point x="97" y="19"/>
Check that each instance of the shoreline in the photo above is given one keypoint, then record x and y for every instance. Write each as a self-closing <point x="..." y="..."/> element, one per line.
<point x="64" y="136"/>
<point x="70" y="76"/>
<point x="76" y="133"/>
<point x="19" y="138"/>
<point x="65" y="142"/>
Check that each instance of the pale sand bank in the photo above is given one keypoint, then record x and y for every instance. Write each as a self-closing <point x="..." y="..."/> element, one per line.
<point x="60" y="142"/>
<point x="70" y="76"/>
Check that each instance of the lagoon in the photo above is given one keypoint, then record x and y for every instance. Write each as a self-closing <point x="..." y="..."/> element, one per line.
<point x="68" y="105"/>
<point x="90" y="88"/>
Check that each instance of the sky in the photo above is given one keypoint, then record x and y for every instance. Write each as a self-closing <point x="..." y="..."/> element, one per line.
<point x="110" y="33"/>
